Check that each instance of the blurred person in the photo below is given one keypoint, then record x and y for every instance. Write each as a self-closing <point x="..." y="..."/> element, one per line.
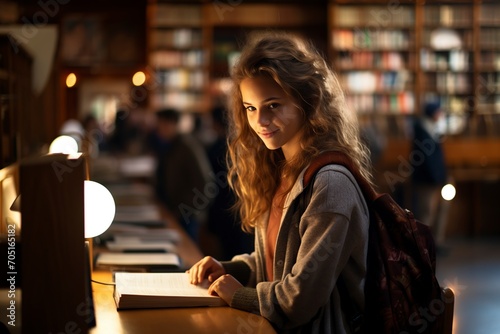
<point x="129" y="134"/>
<point x="183" y="181"/>
<point x="222" y="220"/>
<point x="374" y="139"/>
<point x="94" y="137"/>
<point x="430" y="172"/>
<point x="121" y="134"/>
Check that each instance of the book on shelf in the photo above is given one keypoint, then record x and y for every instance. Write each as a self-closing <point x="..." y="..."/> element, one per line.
<point x="161" y="290"/>
<point x="141" y="262"/>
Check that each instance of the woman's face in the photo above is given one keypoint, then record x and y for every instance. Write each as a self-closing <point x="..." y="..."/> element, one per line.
<point x="272" y="114"/>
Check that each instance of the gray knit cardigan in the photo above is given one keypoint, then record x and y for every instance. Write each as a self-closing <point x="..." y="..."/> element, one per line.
<point x="331" y="239"/>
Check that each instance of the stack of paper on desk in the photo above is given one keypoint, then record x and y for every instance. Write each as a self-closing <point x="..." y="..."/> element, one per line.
<point x="138" y="261"/>
<point x="118" y="231"/>
<point x="136" y="245"/>
<point x="142" y="215"/>
<point x="160" y="290"/>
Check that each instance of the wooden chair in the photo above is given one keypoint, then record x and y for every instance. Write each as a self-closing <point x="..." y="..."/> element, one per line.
<point x="449" y="299"/>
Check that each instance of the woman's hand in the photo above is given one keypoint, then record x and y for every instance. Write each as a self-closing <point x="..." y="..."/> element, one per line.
<point x="225" y="287"/>
<point x="208" y="268"/>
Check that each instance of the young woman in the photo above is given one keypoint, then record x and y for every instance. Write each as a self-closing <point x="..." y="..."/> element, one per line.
<point x="286" y="108"/>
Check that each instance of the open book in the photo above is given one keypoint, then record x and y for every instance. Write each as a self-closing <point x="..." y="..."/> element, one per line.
<point x="160" y="290"/>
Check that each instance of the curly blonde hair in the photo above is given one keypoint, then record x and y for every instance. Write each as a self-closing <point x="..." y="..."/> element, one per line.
<point x="329" y="125"/>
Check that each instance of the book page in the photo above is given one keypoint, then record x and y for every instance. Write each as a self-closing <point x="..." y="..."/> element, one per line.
<point x="159" y="284"/>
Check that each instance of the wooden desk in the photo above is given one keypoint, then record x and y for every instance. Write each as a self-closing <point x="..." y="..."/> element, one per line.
<point x="208" y="320"/>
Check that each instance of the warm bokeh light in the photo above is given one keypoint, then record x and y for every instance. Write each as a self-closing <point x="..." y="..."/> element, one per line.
<point x="139" y="78"/>
<point x="99" y="209"/>
<point x="448" y="192"/>
<point x="64" y="145"/>
<point x="71" y="80"/>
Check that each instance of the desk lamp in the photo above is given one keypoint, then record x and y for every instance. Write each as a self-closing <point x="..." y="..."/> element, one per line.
<point x="448" y="192"/>
<point x="64" y="144"/>
<point x="99" y="208"/>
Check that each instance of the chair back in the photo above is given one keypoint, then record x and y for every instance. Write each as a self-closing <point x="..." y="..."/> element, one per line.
<point x="449" y="305"/>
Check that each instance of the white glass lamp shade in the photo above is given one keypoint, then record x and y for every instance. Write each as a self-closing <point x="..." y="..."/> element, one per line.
<point x="99" y="208"/>
<point x="64" y="144"/>
<point x="448" y="192"/>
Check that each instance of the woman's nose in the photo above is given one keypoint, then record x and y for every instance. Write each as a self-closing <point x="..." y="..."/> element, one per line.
<point x="263" y="117"/>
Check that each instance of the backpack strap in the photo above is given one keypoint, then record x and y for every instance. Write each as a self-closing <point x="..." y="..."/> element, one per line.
<point x="353" y="315"/>
<point x="339" y="158"/>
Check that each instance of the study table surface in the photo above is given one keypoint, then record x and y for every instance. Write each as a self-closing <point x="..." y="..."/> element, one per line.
<point x="193" y="320"/>
<point x="210" y="320"/>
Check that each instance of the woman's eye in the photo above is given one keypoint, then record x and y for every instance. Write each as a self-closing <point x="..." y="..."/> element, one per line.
<point x="273" y="105"/>
<point x="250" y="108"/>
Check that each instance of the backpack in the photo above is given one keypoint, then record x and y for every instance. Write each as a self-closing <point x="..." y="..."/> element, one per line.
<point x="402" y="294"/>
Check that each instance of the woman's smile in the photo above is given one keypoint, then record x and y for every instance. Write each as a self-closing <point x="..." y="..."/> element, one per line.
<point x="267" y="134"/>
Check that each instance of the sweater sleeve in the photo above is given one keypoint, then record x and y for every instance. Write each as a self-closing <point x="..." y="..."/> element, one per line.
<point x="246" y="299"/>
<point x="238" y="269"/>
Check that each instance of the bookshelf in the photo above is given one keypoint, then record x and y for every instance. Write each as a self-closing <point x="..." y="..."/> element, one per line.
<point x="177" y="57"/>
<point x="392" y="58"/>
<point x="373" y="51"/>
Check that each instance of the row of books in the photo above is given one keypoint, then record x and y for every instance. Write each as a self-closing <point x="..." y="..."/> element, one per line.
<point x="181" y="78"/>
<point x="489" y="15"/>
<point x="449" y="83"/>
<point x="375" y="16"/>
<point x="182" y="100"/>
<point x="386" y="60"/>
<point x="491" y="105"/>
<point x="453" y="60"/>
<point x="371" y="39"/>
<point x="180" y="38"/>
<point x="490" y="60"/>
<point x="376" y="82"/>
<point x="489" y="83"/>
<point x="401" y="103"/>
<point x="180" y="15"/>
<point x="490" y="38"/>
<point x="448" y="15"/>
<point x="177" y="58"/>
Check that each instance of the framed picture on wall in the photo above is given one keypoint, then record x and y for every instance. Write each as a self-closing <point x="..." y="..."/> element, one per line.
<point x="99" y="40"/>
<point x="82" y="41"/>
